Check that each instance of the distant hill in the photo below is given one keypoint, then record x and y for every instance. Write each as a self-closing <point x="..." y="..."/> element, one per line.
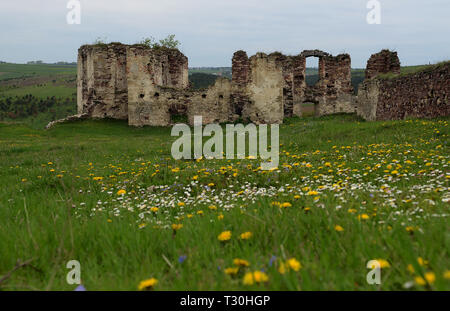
<point x="16" y="71"/>
<point x="201" y="80"/>
<point x="202" y="77"/>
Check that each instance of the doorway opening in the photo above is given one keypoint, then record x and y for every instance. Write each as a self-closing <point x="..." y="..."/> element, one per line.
<point x="309" y="109"/>
<point x="312" y="71"/>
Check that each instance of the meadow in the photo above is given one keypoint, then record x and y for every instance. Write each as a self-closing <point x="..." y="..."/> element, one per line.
<point x="112" y="197"/>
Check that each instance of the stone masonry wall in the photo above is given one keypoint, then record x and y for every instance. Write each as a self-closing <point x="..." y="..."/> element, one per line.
<point x="333" y="93"/>
<point x="265" y="90"/>
<point x="102" y="81"/>
<point x="382" y="62"/>
<point x="240" y="76"/>
<point x="150" y="87"/>
<point x="268" y="88"/>
<point x="423" y="94"/>
<point x="115" y="78"/>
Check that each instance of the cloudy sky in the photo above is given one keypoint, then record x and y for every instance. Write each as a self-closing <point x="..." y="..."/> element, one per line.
<point x="210" y="31"/>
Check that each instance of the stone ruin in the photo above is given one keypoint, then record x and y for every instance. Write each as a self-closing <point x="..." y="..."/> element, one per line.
<point x="150" y="87"/>
<point x="395" y="96"/>
<point x="268" y="88"/>
<point x="382" y="63"/>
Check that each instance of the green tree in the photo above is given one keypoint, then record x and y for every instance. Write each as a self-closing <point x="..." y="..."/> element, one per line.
<point x="169" y="42"/>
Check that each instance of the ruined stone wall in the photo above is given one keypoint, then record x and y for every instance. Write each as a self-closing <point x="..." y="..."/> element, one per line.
<point x="333" y="93"/>
<point x="261" y="85"/>
<point x="115" y="78"/>
<point x="213" y="104"/>
<point x="265" y="90"/>
<point x="150" y="87"/>
<point x="382" y="62"/>
<point x="336" y="86"/>
<point x="298" y="83"/>
<point x="146" y="74"/>
<point x="281" y="81"/>
<point x="423" y="94"/>
<point x="240" y="76"/>
<point x="102" y="81"/>
<point x="164" y="103"/>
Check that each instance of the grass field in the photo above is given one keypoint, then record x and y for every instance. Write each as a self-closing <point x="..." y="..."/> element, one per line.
<point x="15" y="71"/>
<point x="112" y="197"/>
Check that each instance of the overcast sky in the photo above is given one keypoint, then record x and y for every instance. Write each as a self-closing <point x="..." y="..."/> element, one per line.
<point x="211" y="31"/>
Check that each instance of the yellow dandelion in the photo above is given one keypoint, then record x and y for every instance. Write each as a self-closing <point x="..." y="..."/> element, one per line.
<point x="422" y="261"/>
<point x="224" y="236"/>
<point x="282" y="268"/>
<point x="246" y="235"/>
<point x="176" y="227"/>
<point x="121" y="192"/>
<point x="430" y="277"/>
<point x="241" y="262"/>
<point x="148" y="284"/>
<point x="363" y="216"/>
<point x="312" y="192"/>
<point x="293" y="264"/>
<point x="248" y="279"/>
<point x="338" y="228"/>
<point x="260" y="277"/>
<point x="447" y="274"/>
<point x="232" y="271"/>
<point x="383" y="263"/>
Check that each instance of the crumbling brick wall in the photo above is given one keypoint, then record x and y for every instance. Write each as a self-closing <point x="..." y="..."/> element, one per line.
<point x="383" y="62"/>
<point x="424" y="94"/>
